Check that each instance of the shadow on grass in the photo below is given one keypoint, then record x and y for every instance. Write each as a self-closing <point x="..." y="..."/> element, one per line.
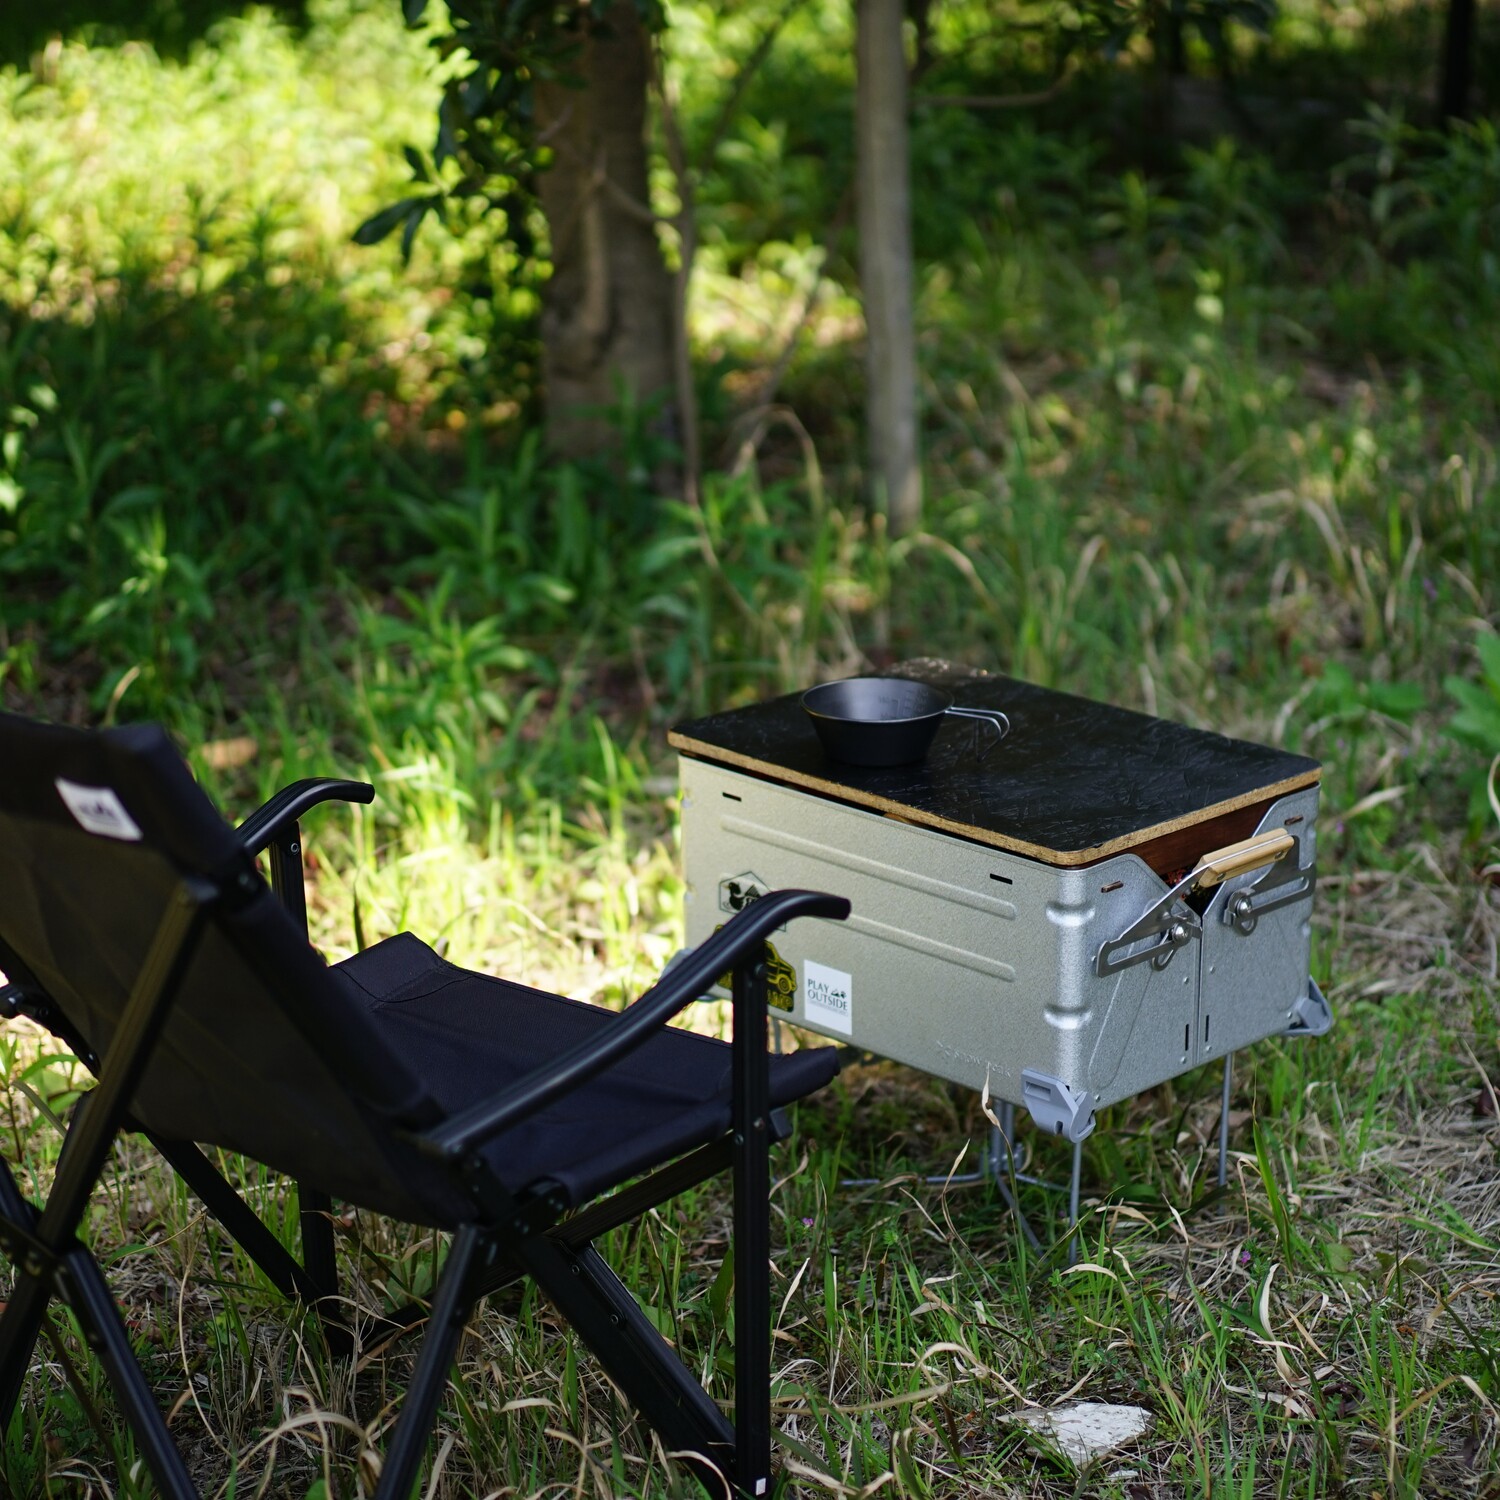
<point x="170" y="27"/>
<point x="174" y="454"/>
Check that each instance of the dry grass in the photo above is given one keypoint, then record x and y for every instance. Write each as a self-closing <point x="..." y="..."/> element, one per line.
<point x="1326" y="1326"/>
<point x="1243" y="509"/>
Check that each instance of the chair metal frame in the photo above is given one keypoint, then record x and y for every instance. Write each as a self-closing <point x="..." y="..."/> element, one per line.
<point x="507" y="1237"/>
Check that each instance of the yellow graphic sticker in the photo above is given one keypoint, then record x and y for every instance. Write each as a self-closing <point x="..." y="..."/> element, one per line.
<point x="781" y="980"/>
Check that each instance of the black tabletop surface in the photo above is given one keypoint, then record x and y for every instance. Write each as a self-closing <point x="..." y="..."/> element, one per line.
<point x="1074" y="780"/>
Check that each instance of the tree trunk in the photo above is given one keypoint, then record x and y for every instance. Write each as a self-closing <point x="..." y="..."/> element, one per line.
<point x="606" y="317"/>
<point x="885" y="261"/>
<point x="1458" y="62"/>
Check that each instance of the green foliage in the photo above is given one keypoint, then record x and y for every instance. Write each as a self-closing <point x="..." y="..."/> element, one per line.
<point x="195" y="373"/>
<point x="486" y="152"/>
<point x="1477" y="726"/>
<point x="1435" y="193"/>
<point x="169" y="27"/>
<point x="1200" y="438"/>
<point x="1427" y="276"/>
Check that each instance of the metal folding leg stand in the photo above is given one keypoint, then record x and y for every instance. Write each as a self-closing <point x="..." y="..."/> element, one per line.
<point x="1002" y="1138"/>
<point x="1074" y="1179"/>
<point x="1000" y="1168"/>
<point x="1007" y="1117"/>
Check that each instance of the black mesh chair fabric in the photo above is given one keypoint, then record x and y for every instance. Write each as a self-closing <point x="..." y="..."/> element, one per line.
<point x="470" y="1035"/>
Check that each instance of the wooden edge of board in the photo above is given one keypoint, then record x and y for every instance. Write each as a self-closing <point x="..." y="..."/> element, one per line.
<point x="1066" y="858"/>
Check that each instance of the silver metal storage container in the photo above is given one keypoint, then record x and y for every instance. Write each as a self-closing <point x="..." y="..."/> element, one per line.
<point x="1059" y="987"/>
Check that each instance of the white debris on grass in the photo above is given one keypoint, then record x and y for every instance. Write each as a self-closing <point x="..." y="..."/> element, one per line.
<point x="1088" y="1428"/>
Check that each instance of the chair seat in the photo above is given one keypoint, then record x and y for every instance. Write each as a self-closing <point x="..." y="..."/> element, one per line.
<point x="469" y="1035"/>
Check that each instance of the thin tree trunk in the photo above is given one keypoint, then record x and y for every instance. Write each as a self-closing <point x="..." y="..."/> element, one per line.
<point x="1458" y="61"/>
<point x="885" y="261"/>
<point x="606" y="319"/>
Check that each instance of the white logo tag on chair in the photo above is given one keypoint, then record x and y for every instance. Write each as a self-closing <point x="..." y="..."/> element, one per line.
<point x="97" y="810"/>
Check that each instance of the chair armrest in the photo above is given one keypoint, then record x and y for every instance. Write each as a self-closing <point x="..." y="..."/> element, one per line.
<point x="266" y="823"/>
<point x="738" y="941"/>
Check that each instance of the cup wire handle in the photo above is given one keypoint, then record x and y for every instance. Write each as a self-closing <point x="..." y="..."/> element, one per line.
<point x="996" y="720"/>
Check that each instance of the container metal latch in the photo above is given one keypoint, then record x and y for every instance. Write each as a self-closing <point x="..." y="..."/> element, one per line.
<point x="1170" y="922"/>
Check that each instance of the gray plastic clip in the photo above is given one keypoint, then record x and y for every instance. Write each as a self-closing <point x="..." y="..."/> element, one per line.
<point x="1312" y="1015"/>
<point x="1057" y="1107"/>
<point x="672" y="962"/>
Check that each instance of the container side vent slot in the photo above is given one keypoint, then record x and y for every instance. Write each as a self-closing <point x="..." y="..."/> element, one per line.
<point x="731" y="797"/>
<point x="1003" y="879"/>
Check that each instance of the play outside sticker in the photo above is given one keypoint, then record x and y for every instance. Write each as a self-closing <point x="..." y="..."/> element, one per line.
<point x="828" y="997"/>
<point x="98" y="810"/>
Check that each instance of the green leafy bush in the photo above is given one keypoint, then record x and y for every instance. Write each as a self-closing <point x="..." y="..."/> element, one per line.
<point x="1425" y="275"/>
<point x="1477" y="726"/>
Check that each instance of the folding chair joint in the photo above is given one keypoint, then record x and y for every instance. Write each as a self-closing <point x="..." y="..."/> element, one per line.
<point x="537" y="1213"/>
<point x="522" y="1217"/>
<point x="27" y="1253"/>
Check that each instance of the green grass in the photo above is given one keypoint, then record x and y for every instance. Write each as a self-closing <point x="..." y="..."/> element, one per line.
<point x="1213" y="435"/>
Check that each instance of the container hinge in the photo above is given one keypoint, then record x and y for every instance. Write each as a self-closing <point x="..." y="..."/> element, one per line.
<point x="1057" y="1107"/>
<point x="1312" y="1015"/>
<point x="1173" y="923"/>
<point x="1284" y="884"/>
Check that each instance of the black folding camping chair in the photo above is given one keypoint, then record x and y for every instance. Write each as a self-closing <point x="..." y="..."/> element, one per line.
<point x="134" y="924"/>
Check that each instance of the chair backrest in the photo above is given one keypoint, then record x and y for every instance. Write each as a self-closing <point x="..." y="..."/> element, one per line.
<point x="265" y="1051"/>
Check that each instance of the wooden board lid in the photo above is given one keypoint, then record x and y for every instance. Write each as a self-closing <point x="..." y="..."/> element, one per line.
<point x="1074" y="782"/>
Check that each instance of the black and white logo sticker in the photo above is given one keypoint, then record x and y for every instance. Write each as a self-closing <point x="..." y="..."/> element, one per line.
<point x="736" y="893"/>
<point x="96" y="809"/>
<point x="827" y="997"/>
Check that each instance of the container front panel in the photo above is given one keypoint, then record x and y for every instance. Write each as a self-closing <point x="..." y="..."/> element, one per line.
<point x="964" y="961"/>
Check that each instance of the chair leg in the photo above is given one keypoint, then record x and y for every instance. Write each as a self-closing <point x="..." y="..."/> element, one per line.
<point x="92" y="1301"/>
<point x="21" y="1323"/>
<point x="445" y="1325"/>
<point x="752" y="1233"/>
<point x="318" y="1258"/>
<point x="78" y="1275"/>
<point x="20" y="1327"/>
<point x="315" y="1215"/>
<point x="320" y="1262"/>
<point x="634" y="1355"/>
<point x="577" y="1232"/>
<point x="49" y="1246"/>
